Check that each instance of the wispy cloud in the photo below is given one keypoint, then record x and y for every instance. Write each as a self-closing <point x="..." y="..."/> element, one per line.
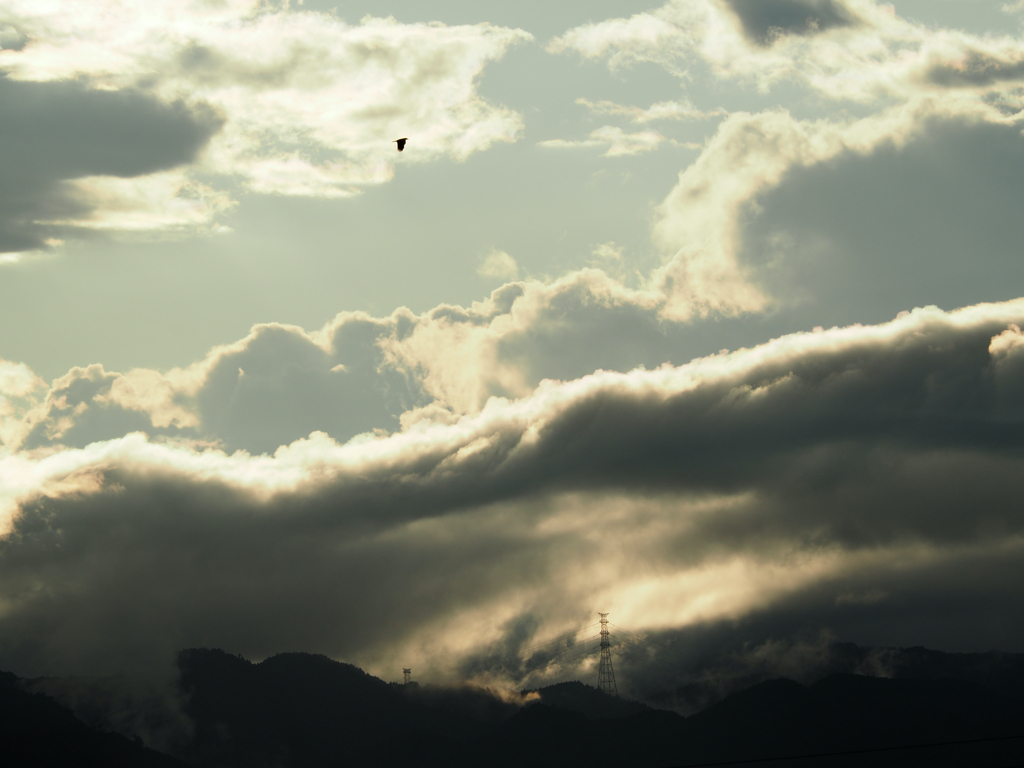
<point x="618" y="142"/>
<point x="500" y="265"/>
<point x="662" y="110"/>
<point x="857" y="50"/>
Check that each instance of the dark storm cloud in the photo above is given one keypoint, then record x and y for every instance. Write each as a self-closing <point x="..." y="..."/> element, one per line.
<point x="57" y="131"/>
<point x="764" y="21"/>
<point x="860" y="458"/>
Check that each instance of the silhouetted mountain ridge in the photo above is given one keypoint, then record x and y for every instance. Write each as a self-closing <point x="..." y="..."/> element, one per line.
<point x="1000" y="672"/>
<point x="586" y="700"/>
<point x="37" y="731"/>
<point x="847" y="712"/>
<point x="299" y="707"/>
<point x="298" y="710"/>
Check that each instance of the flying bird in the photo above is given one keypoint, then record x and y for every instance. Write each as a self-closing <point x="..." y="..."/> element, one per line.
<point x="400" y="143"/>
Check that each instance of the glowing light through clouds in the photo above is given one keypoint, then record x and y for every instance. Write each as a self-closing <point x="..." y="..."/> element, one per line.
<point x="451" y="481"/>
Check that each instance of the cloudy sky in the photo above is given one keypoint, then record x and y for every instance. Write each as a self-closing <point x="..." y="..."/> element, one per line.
<point x="706" y="314"/>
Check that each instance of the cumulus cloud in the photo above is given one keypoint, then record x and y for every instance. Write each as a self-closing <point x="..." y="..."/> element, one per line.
<point x="19" y="389"/>
<point x="276" y="385"/>
<point x="286" y="101"/>
<point x="529" y="332"/>
<point x="856" y="461"/>
<point x="702" y="223"/>
<point x="359" y="373"/>
<point x="17" y="379"/>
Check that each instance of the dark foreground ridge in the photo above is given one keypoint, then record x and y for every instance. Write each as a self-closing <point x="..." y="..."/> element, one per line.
<point x="305" y="711"/>
<point x="37" y="731"/>
<point x="995" y="670"/>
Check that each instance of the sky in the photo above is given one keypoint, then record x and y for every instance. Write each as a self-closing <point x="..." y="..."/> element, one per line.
<point x="705" y="314"/>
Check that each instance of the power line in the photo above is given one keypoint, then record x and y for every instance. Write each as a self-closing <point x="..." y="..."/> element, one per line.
<point x="563" y="650"/>
<point x="637" y="638"/>
<point x="552" y="640"/>
<point x="559" y="653"/>
<point x="570" y="655"/>
<point x="584" y="651"/>
<point x="644" y="642"/>
<point x="560" y="638"/>
<point x="642" y="645"/>
<point x="853" y="752"/>
<point x="642" y="639"/>
<point x="563" y="636"/>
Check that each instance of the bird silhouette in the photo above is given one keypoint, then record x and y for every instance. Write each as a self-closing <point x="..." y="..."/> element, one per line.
<point x="400" y="143"/>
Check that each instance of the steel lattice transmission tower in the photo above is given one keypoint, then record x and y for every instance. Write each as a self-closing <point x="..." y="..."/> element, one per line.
<point x="605" y="672"/>
<point x="407" y="673"/>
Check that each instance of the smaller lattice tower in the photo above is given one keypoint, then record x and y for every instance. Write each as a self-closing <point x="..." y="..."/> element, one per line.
<point x="407" y="673"/>
<point x="605" y="672"/>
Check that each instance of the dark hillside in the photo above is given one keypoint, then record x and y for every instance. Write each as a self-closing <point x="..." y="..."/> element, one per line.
<point x="779" y="719"/>
<point x="296" y="709"/>
<point x="1002" y="672"/>
<point x="736" y="670"/>
<point x="587" y="700"/>
<point x="304" y="711"/>
<point x="851" y="712"/>
<point x="36" y="731"/>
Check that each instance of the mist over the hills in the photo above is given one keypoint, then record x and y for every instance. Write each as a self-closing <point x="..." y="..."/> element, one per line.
<point x="306" y="710"/>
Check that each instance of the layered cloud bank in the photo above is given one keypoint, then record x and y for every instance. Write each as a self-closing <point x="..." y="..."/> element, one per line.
<point x="866" y="469"/>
